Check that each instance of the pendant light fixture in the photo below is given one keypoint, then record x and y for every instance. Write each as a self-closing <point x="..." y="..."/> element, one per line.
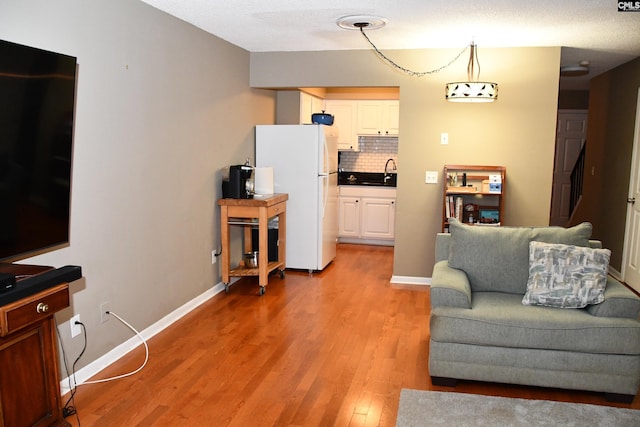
<point x="472" y="90"/>
<point x="469" y="91"/>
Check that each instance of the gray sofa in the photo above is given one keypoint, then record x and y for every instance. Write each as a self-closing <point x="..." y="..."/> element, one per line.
<point x="481" y="330"/>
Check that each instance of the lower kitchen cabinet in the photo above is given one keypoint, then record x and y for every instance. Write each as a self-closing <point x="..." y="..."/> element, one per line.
<point x="367" y="215"/>
<point x="378" y="218"/>
<point x="349" y="217"/>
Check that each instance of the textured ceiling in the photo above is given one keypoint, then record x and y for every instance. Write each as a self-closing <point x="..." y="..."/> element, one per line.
<point x="591" y="30"/>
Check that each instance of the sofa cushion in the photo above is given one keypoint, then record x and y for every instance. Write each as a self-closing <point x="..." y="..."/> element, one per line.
<point x="497" y="258"/>
<point x="500" y="320"/>
<point x="494" y="258"/>
<point x="566" y="276"/>
<point x="577" y="235"/>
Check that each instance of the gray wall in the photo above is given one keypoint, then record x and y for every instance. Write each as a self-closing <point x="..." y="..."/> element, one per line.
<point x="518" y="131"/>
<point x="161" y="108"/>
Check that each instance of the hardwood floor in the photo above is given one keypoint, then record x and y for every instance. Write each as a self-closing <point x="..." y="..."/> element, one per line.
<point x="330" y="349"/>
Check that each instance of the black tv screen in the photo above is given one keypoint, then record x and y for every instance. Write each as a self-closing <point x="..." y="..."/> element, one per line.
<point x="37" y="98"/>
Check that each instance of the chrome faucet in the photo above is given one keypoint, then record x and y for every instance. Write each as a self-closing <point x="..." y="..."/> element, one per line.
<point x="386" y="166"/>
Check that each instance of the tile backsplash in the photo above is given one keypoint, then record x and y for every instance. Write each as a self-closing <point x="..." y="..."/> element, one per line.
<point x="374" y="153"/>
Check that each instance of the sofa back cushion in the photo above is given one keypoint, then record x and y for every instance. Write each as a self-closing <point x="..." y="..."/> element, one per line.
<point x="497" y="258"/>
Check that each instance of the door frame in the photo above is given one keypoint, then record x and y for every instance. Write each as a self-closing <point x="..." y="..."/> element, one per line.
<point x="556" y="199"/>
<point x="633" y="176"/>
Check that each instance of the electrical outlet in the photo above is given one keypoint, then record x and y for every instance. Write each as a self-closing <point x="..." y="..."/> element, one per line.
<point x="104" y="308"/>
<point x="431" y="177"/>
<point x="214" y="255"/>
<point x="75" y="329"/>
<point x="444" y="138"/>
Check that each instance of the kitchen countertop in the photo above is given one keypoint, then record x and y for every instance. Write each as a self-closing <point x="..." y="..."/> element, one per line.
<point x="370" y="179"/>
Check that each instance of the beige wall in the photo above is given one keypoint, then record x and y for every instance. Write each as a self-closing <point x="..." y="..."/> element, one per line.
<point x="518" y="131"/>
<point x="612" y="114"/>
<point x="162" y="107"/>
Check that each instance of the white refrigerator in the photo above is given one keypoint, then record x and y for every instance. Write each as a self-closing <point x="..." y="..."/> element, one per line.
<point x="305" y="166"/>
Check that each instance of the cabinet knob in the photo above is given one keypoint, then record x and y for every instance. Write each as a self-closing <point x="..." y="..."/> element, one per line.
<point x="42" y="307"/>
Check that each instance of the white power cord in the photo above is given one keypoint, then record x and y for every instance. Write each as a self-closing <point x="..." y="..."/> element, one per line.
<point x="146" y="357"/>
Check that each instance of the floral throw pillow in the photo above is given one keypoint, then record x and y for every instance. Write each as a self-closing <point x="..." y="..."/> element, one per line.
<point x="566" y="276"/>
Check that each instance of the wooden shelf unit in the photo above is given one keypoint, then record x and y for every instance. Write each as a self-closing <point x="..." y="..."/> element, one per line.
<point x="476" y="194"/>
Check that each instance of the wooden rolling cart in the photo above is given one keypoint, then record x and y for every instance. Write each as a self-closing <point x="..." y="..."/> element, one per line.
<point x="249" y="213"/>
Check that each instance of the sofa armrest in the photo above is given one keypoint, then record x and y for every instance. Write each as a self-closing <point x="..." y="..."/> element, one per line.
<point x="619" y="301"/>
<point x="449" y="287"/>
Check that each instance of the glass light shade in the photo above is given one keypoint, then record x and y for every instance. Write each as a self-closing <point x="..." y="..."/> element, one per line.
<point x="471" y="92"/>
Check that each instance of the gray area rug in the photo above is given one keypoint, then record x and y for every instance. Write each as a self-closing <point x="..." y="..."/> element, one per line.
<point x="433" y="408"/>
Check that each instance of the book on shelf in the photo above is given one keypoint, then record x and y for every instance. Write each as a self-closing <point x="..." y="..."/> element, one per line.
<point x="458" y="212"/>
<point x="447" y="208"/>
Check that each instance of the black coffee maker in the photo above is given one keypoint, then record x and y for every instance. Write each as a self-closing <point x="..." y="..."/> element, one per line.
<point x="239" y="185"/>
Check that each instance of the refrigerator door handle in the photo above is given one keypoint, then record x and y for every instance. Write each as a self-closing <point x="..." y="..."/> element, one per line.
<point x="325" y="165"/>
<point x="326" y="196"/>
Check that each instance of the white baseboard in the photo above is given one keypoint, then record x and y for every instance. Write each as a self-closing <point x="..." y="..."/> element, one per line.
<point x="409" y="280"/>
<point x="112" y="356"/>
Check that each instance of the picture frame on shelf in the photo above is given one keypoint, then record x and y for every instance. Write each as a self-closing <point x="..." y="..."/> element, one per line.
<point x="489" y="215"/>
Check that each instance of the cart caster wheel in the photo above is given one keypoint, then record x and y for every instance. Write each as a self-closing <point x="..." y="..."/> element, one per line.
<point x="226" y="288"/>
<point x="262" y="290"/>
<point x="281" y="274"/>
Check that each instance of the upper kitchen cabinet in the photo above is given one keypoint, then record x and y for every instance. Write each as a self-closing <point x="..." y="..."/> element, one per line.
<point x="378" y="118"/>
<point x="344" y="123"/>
<point x="295" y="107"/>
<point x="309" y="104"/>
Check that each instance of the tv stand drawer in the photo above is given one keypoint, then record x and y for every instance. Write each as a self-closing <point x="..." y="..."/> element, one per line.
<point x="33" y="309"/>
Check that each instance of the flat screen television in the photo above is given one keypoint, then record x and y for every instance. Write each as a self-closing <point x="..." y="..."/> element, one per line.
<point x="37" y="99"/>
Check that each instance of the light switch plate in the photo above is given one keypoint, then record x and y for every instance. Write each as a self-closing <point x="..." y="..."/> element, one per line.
<point x="431" y="177"/>
<point x="444" y="138"/>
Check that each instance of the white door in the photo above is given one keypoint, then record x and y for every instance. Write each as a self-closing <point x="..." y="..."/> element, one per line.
<point x="570" y="137"/>
<point x="631" y="257"/>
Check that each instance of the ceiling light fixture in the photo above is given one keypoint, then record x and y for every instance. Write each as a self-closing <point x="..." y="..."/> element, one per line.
<point x="472" y="90"/>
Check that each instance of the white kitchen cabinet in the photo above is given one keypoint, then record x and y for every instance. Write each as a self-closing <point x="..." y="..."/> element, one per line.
<point x="309" y="105"/>
<point x="344" y="123"/>
<point x="367" y="215"/>
<point x="296" y="107"/>
<point x="349" y="216"/>
<point x="377" y="117"/>
<point x="378" y="218"/>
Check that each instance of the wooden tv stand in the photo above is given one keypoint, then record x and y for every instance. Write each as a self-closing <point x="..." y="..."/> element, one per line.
<point x="30" y="380"/>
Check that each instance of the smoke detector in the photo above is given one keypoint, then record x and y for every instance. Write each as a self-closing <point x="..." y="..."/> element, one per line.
<point x="575" y="70"/>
